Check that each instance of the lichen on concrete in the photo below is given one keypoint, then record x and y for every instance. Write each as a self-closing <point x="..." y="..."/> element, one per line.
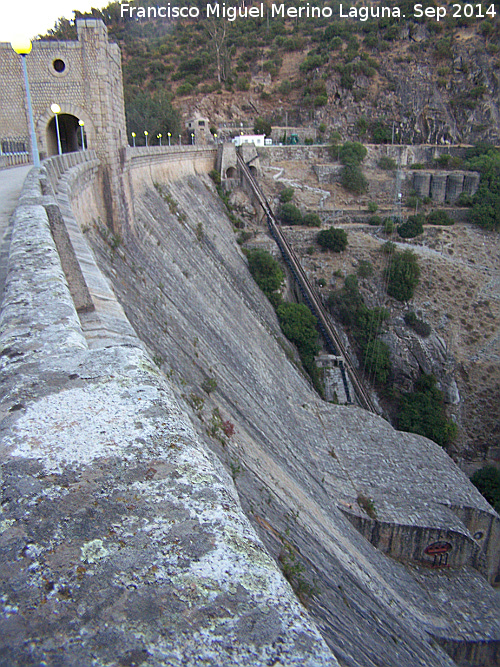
<point x="122" y="540"/>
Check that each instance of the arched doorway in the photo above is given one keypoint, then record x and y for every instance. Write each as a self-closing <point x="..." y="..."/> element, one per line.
<point x="231" y="172"/>
<point x="70" y="134"/>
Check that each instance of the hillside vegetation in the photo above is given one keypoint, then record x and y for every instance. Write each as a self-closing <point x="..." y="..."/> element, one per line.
<point x="412" y="79"/>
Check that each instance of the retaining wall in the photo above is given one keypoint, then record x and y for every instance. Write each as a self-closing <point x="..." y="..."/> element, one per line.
<point x="122" y="538"/>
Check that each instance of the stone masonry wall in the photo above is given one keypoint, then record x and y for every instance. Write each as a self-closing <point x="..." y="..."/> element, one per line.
<point x="89" y="87"/>
<point x="121" y="538"/>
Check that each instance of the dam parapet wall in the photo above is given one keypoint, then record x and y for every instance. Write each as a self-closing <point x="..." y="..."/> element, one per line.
<point x="116" y="512"/>
<point x="122" y="538"/>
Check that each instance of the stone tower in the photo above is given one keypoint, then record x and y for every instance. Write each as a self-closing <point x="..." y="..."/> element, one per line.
<point x="84" y="78"/>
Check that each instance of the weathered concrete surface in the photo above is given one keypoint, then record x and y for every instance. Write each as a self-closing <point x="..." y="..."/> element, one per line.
<point x="121" y="539"/>
<point x="299" y="464"/>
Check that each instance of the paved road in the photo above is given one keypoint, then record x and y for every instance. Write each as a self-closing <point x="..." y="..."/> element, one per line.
<point x="11" y="183"/>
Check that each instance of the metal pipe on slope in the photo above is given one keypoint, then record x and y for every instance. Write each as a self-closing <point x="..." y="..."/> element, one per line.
<point x="327" y="329"/>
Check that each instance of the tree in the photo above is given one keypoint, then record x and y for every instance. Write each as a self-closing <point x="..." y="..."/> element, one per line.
<point x="299" y="326"/>
<point x="353" y="180"/>
<point x="290" y="214"/>
<point x="332" y="239"/>
<point x="152" y="113"/>
<point x="403" y="275"/>
<point x="487" y="481"/>
<point x="266" y="271"/>
<point x="485" y="210"/>
<point x="352" y="153"/>
<point x="262" y="126"/>
<point x="412" y="227"/>
<point x="423" y="412"/>
<point x="217" y="31"/>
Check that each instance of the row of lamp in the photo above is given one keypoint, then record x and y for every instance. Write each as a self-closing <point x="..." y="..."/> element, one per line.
<point x="158" y="136"/>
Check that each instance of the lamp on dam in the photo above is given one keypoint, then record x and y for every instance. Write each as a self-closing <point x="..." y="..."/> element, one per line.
<point x="133" y="138"/>
<point x="81" y="124"/>
<point x="23" y="47"/>
<point x="56" y="110"/>
<point x="159" y="136"/>
<point x="146" y="133"/>
<point x="169" y="134"/>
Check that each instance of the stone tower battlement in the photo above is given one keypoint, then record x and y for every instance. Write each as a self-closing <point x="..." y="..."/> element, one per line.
<point x="84" y="77"/>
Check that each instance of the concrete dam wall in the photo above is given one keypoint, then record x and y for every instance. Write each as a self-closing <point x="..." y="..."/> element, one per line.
<point x="134" y="496"/>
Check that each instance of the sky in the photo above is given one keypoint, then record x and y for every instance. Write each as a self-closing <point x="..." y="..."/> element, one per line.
<point x="28" y="18"/>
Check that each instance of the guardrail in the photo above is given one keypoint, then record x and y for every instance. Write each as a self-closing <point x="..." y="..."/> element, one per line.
<point x="13" y="152"/>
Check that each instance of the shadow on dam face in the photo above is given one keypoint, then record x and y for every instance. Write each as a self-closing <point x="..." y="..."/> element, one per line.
<point x="186" y="289"/>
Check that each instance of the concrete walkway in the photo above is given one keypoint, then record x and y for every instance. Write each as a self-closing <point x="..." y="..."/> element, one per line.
<point x="11" y="183"/>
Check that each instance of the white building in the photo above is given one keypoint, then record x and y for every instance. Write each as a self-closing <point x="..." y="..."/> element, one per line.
<point x="256" y="139"/>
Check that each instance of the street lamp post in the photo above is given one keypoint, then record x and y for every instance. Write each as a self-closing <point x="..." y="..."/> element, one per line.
<point x="146" y="133"/>
<point x="22" y="48"/>
<point x="159" y="137"/>
<point x="133" y="138"/>
<point x="179" y="139"/>
<point x="169" y="134"/>
<point x="192" y="138"/>
<point x="56" y="110"/>
<point x="81" y="124"/>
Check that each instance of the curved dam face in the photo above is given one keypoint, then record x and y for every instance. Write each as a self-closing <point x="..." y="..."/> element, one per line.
<point x="300" y="466"/>
<point x="125" y="419"/>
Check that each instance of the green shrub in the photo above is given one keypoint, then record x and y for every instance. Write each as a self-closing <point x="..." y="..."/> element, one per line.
<point x="299" y="326"/>
<point x="286" y="195"/>
<point x="465" y="199"/>
<point x="439" y="218"/>
<point x="487" y="482"/>
<point x="412" y="227"/>
<point x="352" y="153"/>
<point x="403" y="274"/>
<point x="262" y="126"/>
<point x="311" y="220"/>
<point x="365" y="324"/>
<point x="387" y="163"/>
<point x="332" y="239"/>
<point x="266" y="271"/>
<point x="377" y="361"/>
<point x="215" y="176"/>
<point x="185" y="88"/>
<point x="242" y="83"/>
<point x="365" y="269"/>
<point x="381" y="132"/>
<point x="373" y="207"/>
<point x="375" y="221"/>
<point x="353" y="180"/>
<point x="485" y="210"/>
<point x="290" y="214"/>
<point x="423" y="412"/>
